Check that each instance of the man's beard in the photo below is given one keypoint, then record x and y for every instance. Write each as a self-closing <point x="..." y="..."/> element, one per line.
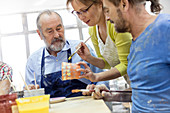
<point x="56" y="45"/>
<point x="121" y="25"/>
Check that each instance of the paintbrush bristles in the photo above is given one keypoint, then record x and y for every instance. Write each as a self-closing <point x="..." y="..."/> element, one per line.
<point x="76" y="91"/>
<point x="78" y="48"/>
<point x="79" y="90"/>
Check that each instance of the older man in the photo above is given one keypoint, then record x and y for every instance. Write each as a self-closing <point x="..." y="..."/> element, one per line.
<point x="46" y="62"/>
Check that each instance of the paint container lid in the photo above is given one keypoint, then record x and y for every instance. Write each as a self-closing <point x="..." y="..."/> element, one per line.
<point x="36" y="92"/>
<point x="20" y="94"/>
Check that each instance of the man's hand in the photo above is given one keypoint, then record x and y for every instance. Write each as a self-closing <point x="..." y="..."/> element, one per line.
<point x="89" y="87"/>
<point x="31" y="87"/>
<point x="87" y="73"/>
<point x="117" y="96"/>
<point x="99" y="93"/>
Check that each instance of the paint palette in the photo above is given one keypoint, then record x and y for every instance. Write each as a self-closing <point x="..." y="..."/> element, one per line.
<point x="69" y="71"/>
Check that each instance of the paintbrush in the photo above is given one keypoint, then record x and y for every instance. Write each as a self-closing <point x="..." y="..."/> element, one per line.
<point x="24" y="82"/>
<point x="35" y="81"/>
<point x="11" y="83"/>
<point x="78" y="48"/>
<point x="86" y="90"/>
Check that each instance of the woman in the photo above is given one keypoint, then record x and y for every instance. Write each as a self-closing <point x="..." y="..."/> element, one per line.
<point x="5" y="71"/>
<point x="111" y="47"/>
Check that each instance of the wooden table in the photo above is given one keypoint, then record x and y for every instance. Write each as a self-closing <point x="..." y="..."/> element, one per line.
<point x="82" y="104"/>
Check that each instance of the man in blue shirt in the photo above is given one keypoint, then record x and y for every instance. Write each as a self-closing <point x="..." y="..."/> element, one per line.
<point x="46" y="62"/>
<point x="149" y="58"/>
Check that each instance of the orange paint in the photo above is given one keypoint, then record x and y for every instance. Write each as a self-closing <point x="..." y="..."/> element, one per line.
<point x="69" y="71"/>
<point x="75" y="90"/>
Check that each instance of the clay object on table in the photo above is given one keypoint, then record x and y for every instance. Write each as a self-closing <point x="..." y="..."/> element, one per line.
<point x="6" y="101"/>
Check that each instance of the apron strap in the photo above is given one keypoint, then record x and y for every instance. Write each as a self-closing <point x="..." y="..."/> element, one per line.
<point x="42" y="63"/>
<point x="68" y="55"/>
<point x="43" y="59"/>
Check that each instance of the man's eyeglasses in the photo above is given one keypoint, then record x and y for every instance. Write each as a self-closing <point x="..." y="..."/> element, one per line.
<point x="77" y="13"/>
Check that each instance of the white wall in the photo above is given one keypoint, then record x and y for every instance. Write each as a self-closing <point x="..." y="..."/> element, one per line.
<point x="166" y="5"/>
<point x="22" y="6"/>
<point x="19" y="6"/>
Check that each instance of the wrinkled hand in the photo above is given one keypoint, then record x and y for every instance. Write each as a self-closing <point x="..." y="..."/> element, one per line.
<point x="87" y="72"/>
<point x="99" y="93"/>
<point x="118" y="96"/>
<point x="83" y="52"/>
<point x="110" y="96"/>
<point x="31" y="87"/>
<point x="89" y="87"/>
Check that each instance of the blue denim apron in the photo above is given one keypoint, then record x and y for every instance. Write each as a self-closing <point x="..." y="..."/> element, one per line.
<point x="54" y="85"/>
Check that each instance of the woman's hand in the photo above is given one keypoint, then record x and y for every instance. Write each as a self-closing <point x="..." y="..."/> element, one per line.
<point x="84" y="52"/>
<point x="87" y="73"/>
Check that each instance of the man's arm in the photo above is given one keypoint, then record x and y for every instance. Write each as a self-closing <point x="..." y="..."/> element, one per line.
<point x="29" y="76"/>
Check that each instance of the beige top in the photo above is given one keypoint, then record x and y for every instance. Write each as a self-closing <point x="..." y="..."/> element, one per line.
<point x="108" y="50"/>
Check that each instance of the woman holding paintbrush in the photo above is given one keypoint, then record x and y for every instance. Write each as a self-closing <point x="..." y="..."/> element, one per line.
<point x="111" y="47"/>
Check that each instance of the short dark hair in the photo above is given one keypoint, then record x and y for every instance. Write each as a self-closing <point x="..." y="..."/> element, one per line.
<point x="156" y="7"/>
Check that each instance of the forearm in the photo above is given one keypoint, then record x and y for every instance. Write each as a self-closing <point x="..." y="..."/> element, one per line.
<point x="107" y="75"/>
<point x="5" y="87"/>
<point x="30" y="70"/>
<point x="98" y="62"/>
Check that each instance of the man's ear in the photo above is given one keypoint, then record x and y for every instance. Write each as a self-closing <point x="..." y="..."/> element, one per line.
<point x="124" y="5"/>
<point x="39" y="34"/>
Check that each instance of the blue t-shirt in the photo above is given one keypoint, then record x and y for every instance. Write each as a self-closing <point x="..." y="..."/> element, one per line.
<point x="149" y="68"/>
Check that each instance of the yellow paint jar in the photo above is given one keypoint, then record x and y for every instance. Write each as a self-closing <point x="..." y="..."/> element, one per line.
<point x="35" y="104"/>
